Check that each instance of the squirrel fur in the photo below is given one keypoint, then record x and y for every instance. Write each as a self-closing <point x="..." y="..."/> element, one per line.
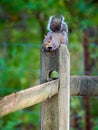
<point x="57" y="24"/>
<point x="58" y="33"/>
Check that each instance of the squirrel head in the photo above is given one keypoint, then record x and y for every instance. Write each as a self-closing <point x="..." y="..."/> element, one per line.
<point x="55" y="23"/>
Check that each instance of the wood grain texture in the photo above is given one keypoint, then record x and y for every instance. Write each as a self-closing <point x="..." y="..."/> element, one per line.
<point x="49" y="108"/>
<point x="84" y="85"/>
<point x="55" y="111"/>
<point x="28" y="97"/>
<point x="79" y="86"/>
<point x="64" y="90"/>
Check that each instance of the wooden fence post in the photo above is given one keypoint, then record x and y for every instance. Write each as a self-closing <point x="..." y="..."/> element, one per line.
<point x="64" y="91"/>
<point x="55" y="111"/>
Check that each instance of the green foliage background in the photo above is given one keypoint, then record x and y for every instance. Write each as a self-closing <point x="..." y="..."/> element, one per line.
<point x="22" y="28"/>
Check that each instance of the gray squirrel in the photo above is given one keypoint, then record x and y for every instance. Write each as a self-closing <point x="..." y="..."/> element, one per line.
<point x="58" y="33"/>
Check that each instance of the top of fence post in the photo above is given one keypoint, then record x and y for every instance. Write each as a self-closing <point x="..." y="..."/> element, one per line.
<point x="55" y="111"/>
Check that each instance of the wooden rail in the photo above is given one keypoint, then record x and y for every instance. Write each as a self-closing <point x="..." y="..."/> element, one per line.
<point x="79" y="86"/>
<point x="28" y="97"/>
<point x="84" y="86"/>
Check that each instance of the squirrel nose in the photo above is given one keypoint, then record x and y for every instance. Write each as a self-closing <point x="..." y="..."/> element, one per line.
<point x="49" y="48"/>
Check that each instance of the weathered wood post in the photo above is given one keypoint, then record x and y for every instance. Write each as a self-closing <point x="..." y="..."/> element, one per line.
<point x="55" y="111"/>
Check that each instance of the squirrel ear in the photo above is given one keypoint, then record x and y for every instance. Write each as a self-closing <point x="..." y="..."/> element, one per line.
<point x="49" y="22"/>
<point x="62" y="18"/>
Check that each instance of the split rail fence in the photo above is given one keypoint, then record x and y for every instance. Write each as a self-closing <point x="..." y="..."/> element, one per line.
<point x="53" y="94"/>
